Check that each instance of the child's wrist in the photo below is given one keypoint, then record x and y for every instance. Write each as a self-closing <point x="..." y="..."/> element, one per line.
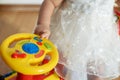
<point x="43" y="23"/>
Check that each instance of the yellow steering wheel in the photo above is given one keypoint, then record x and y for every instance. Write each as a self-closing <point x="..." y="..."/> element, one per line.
<point x="24" y="53"/>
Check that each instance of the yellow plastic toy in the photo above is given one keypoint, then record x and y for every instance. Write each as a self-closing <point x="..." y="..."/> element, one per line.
<point x="27" y="53"/>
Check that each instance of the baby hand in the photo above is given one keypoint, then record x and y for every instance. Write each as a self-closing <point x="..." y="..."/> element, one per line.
<point x="43" y="31"/>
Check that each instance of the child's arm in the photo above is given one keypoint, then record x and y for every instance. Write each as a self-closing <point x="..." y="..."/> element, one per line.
<point x="44" y="18"/>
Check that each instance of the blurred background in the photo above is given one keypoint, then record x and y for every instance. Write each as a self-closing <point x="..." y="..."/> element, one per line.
<point x="17" y="16"/>
<point x="26" y="2"/>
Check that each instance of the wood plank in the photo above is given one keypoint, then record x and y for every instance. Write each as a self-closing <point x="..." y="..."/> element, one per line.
<point x="22" y="8"/>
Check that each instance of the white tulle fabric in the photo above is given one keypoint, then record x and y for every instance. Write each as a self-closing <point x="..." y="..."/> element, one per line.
<point x="86" y="35"/>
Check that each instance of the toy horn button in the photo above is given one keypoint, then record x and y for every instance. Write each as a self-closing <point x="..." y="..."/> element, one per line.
<point x="30" y="48"/>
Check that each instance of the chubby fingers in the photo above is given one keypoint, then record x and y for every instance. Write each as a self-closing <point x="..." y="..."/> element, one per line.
<point x="43" y="34"/>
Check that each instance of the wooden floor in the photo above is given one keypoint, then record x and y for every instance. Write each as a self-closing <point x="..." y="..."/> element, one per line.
<point x="12" y="22"/>
<point x="15" y="22"/>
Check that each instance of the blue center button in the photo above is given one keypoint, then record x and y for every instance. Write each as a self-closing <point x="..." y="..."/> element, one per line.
<point x="30" y="48"/>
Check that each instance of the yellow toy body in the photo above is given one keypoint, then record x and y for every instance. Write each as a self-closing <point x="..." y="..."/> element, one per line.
<point x="25" y="52"/>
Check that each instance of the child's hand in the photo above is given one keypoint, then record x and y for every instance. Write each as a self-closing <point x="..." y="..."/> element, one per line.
<point x="43" y="31"/>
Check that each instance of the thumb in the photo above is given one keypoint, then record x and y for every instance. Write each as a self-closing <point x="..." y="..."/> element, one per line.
<point x="45" y="35"/>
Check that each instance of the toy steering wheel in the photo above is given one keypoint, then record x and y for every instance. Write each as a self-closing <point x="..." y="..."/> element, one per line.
<point x="26" y="55"/>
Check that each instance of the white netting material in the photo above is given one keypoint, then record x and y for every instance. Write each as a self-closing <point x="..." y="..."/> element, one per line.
<point x="86" y="35"/>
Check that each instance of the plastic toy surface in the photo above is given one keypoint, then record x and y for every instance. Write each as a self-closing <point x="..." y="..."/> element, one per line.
<point x="30" y="56"/>
<point x="117" y="13"/>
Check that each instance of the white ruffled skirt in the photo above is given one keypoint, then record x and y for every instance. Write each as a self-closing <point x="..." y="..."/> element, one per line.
<point x="88" y="42"/>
